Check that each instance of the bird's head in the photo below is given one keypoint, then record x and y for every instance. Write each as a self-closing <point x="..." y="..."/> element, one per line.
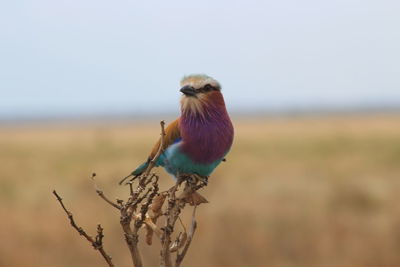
<point x="200" y="91"/>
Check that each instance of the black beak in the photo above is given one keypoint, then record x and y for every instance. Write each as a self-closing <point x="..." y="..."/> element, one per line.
<point x="188" y="90"/>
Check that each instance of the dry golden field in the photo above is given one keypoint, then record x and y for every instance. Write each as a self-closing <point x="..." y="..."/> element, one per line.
<point x="301" y="191"/>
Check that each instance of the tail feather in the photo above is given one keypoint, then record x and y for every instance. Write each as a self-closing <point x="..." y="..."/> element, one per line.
<point x="138" y="171"/>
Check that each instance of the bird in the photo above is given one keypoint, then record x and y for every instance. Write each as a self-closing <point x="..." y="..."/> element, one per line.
<point x="196" y="142"/>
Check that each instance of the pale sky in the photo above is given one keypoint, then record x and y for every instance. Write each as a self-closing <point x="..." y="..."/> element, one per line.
<point x="75" y="57"/>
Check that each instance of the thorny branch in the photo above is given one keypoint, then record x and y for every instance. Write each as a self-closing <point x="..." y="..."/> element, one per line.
<point x="143" y="208"/>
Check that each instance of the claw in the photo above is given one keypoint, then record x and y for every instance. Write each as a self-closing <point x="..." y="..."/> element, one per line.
<point x="192" y="178"/>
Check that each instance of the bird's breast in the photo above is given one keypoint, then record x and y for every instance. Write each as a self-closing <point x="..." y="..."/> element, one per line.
<point x="206" y="140"/>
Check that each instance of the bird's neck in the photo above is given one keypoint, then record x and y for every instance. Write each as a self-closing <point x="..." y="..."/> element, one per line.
<point x="208" y="108"/>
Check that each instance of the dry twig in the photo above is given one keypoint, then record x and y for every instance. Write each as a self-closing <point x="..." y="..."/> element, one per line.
<point x="180" y="256"/>
<point x="160" y="150"/>
<point x="97" y="243"/>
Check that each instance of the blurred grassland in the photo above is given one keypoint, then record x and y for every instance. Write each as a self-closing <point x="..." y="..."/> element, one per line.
<point x="300" y="191"/>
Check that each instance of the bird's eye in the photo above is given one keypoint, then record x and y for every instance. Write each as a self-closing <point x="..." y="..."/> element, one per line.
<point x="208" y="87"/>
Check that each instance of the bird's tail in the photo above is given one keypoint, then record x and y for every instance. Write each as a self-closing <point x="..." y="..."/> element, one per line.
<point x="138" y="171"/>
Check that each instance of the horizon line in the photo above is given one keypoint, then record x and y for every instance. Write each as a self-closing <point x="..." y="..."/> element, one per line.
<point x="140" y="116"/>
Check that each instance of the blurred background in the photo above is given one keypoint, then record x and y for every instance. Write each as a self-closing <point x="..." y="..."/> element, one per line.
<point x="313" y="88"/>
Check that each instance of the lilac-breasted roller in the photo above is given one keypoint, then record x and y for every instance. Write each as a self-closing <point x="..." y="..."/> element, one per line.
<point x="197" y="141"/>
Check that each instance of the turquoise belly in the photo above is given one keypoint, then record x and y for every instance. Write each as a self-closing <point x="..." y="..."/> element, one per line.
<point x="175" y="162"/>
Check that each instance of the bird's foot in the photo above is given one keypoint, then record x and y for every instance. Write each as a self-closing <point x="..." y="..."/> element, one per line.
<point x="193" y="183"/>
<point x="202" y="179"/>
<point x="193" y="178"/>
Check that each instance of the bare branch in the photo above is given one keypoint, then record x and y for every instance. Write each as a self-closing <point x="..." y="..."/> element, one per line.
<point x="131" y="237"/>
<point x="101" y="194"/>
<point x="180" y="256"/>
<point x="123" y="179"/>
<point x="96" y="243"/>
<point x="172" y="214"/>
<point x="179" y="242"/>
<point x="160" y="150"/>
